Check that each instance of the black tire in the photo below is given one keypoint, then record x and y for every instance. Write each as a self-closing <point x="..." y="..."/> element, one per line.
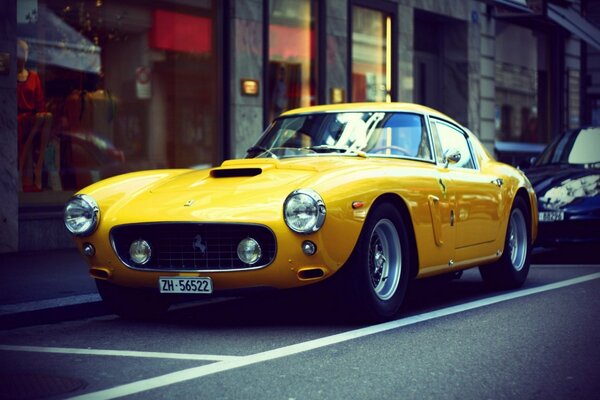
<point x="373" y="283"/>
<point x="511" y="270"/>
<point x="132" y="303"/>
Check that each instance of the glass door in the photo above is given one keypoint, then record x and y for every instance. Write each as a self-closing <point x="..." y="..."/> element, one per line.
<point x="372" y="52"/>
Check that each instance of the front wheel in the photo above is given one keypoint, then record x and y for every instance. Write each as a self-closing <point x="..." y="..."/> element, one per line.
<point x="132" y="303"/>
<point x="374" y="281"/>
<point x="511" y="270"/>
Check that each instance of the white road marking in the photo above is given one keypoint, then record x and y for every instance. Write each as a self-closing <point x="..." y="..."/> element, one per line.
<point x="201" y="371"/>
<point x="119" y="353"/>
<point x="49" y="303"/>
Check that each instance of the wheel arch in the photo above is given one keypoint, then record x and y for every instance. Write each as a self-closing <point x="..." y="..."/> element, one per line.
<point x="524" y="195"/>
<point x="400" y="204"/>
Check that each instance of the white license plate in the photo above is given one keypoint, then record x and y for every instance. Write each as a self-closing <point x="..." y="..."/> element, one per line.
<point x="550" y="216"/>
<point x="185" y="285"/>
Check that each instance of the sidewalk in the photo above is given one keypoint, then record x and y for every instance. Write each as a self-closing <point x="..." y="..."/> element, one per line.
<point x="46" y="286"/>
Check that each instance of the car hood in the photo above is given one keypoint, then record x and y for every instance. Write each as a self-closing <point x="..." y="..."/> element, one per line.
<point x="566" y="187"/>
<point x="250" y="190"/>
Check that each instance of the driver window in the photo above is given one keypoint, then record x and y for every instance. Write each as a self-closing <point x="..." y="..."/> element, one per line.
<point x="401" y="134"/>
<point x="452" y="138"/>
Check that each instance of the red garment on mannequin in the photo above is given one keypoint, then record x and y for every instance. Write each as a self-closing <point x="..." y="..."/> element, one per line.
<point x="30" y="96"/>
<point x="30" y="100"/>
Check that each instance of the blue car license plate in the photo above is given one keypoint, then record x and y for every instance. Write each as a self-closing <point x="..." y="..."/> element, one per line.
<point x="551" y="216"/>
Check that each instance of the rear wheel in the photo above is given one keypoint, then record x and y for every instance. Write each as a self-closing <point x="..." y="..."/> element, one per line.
<point x="374" y="281"/>
<point x="132" y="303"/>
<point x="511" y="270"/>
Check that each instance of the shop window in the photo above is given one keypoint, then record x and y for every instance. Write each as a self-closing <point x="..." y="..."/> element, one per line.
<point x="123" y="86"/>
<point x="292" y="55"/>
<point x="371" y="55"/>
<point x="521" y="80"/>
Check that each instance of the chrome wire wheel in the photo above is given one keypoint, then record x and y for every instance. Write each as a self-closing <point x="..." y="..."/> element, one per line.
<point x="385" y="259"/>
<point x="517" y="239"/>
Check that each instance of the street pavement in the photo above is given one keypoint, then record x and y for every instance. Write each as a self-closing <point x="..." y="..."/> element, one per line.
<point x="45" y="287"/>
<point x="50" y="286"/>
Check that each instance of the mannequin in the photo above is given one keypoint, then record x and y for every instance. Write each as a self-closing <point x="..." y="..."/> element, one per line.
<point x="32" y="120"/>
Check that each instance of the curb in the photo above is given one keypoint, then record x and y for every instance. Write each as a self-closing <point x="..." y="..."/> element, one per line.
<point x="51" y="311"/>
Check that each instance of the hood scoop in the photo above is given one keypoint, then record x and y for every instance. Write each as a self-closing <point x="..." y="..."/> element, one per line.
<point x="234" y="172"/>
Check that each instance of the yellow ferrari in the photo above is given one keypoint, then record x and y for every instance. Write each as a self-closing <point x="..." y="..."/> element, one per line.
<point x="364" y="196"/>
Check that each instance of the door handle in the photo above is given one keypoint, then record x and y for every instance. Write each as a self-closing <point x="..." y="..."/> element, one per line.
<point x="498" y="182"/>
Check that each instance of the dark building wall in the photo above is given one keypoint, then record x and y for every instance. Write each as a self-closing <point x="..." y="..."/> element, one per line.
<point x="8" y="129"/>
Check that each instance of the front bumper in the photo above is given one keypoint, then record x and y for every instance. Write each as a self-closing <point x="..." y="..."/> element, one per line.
<point x="574" y="229"/>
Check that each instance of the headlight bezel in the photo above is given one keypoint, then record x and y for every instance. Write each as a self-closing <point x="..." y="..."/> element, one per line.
<point x="315" y="222"/>
<point x="89" y="206"/>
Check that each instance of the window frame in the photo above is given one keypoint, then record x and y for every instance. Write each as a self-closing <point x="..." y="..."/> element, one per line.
<point x="437" y="142"/>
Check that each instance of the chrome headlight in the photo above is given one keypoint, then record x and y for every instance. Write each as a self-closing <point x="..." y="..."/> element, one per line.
<point x="81" y="215"/>
<point x="304" y="211"/>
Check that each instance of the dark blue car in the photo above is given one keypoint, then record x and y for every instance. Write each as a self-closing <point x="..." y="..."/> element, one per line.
<point x="566" y="178"/>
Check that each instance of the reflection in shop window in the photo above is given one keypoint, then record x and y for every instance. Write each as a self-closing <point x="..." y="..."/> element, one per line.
<point x="292" y="55"/>
<point x="371" y="55"/>
<point x="127" y="86"/>
<point x="521" y="76"/>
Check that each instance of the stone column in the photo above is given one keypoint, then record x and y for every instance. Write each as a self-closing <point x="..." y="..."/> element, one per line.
<point x="336" y="63"/>
<point x="487" y="87"/>
<point x="405" y="40"/>
<point x="9" y="200"/>
<point x="474" y="69"/>
<point x="246" y="60"/>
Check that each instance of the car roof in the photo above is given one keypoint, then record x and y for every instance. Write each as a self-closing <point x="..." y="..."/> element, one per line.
<point x="373" y="106"/>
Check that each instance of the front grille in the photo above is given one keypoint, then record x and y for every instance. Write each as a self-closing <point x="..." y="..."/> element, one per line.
<point x="193" y="246"/>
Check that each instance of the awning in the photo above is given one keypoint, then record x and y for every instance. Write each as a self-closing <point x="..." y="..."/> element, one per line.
<point x="572" y="21"/>
<point x="60" y="44"/>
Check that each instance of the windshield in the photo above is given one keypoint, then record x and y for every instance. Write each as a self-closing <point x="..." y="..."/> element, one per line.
<point x="576" y="148"/>
<point x="387" y="134"/>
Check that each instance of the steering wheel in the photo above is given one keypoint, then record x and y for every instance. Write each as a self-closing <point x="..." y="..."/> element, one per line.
<point x="381" y="149"/>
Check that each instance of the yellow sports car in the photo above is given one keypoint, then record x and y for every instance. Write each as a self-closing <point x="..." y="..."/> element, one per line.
<point x="364" y="196"/>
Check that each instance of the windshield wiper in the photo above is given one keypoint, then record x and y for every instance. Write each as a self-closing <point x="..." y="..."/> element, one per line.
<point x="257" y="150"/>
<point x="328" y="149"/>
<point x="324" y="148"/>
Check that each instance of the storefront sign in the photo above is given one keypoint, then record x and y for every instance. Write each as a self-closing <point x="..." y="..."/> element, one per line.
<point x="181" y="32"/>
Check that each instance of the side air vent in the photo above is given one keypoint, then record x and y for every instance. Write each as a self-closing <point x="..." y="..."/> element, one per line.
<point x="235" y="172"/>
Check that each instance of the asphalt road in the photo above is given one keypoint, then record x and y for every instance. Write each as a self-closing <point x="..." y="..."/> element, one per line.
<point x="453" y="340"/>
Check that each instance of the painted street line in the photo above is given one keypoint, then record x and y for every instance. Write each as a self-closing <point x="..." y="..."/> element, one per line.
<point x="50" y="303"/>
<point x="119" y="353"/>
<point x="222" y="366"/>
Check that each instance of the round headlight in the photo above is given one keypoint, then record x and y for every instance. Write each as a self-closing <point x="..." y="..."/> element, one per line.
<point x="81" y="215"/>
<point x="304" y="211"/>
<point x="140" y="251"/>
<point x="249" y="251"/>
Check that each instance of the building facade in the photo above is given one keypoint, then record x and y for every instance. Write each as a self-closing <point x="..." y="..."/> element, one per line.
<point x="93" y="88"/>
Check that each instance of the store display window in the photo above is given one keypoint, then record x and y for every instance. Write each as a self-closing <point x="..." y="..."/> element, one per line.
<point x="292" y="55"/>
<point x="522" y="77"/>
<point x="108" y="87"/>
<point x="371" y="55"/>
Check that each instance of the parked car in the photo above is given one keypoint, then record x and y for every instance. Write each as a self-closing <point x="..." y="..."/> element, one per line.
<point x="362" y="197"/>
<point x="566" y="178"/>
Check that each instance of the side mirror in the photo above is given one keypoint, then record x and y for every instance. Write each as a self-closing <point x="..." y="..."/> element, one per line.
<point x="451" y="156"/>
<point x="532" y="161"/>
